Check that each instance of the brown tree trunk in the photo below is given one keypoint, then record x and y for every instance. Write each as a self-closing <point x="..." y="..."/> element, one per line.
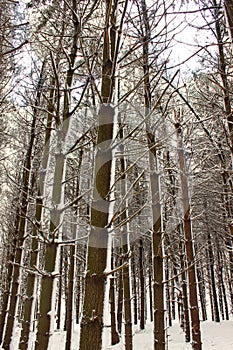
<point x="142" y="286"/>
<point x="168" y="294"/>
<point x="32" y="280"/>
<point x="184" y="292"/>
<point x="70" y="298"/>
<point x="120" y="298"/>
<point x="49" y="277"/>
<point x="222" y="64"/>
<point x="60" y="289"/>
<point x="72" y="266"/>
<point x="26" y="178"/>
<point x="202" y="291"/>
<point x="125" y="254"/>
<point x="134" y="286"/>
<point x="10" y="259"/>
<point x="157" y="249"/>
<point x="193" y="300"/>
<point x="150" y="292"/>
<point x="114" y="335"/>
<point x="212" y="272"/>
<point x="222" y="284"/>
<point x="95" y="281"/>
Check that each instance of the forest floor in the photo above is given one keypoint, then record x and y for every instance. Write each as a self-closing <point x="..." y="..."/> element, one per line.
<point x="215" y="336"/>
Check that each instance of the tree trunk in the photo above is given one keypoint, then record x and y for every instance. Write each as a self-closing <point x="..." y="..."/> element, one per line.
<point x="142" y="286"/>
<point x="95" y="282"/>
<point x="114" y="335"/>
<point x="157" y="249"/>
<point x="125" y="252"/>
<point x="26" y="178"/>
<point x="70" y="298"/>
<point x="49" y="280"/>
<point x="168" y="294"/>
<point x="202" y="291"/>
<point x="72" y="267"/>
<point x="212" y="275"/>
<point x="134" y="286"/>
<point x="184" y="292"/>
<point x="222" y="284"/>
<point x="222" y="63"/>
<point x="60" y="289"/>
<point x="120" y="298"/>
<point x="32" y="280"/>
<point x="150" y="292"/>
<point x="193" y="300"/>
<point x="9" y="275"/>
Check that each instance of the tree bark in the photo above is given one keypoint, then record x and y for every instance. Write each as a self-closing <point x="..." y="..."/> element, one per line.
<point x="32" y="280"/>
<point x="193" y="300"/>
<point x="72" y="268"/>
<point x="157" y="249"/>
<point x="7" y="289"/>
<point x="120" y="298"/>
<point x="142" y="286"/>
<point x="125" y="253"/>
<point x="95" y="281"/>
<point x="184" y="292"/>
<point x="26" y="178"/>
<point x="134" y="286"/>
<point x="114" y="335"/>
<point x="48" y="279"/>
<point x="212" y="272"/>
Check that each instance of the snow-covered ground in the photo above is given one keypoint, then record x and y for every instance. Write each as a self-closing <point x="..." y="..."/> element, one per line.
<point x="215" y="336"/>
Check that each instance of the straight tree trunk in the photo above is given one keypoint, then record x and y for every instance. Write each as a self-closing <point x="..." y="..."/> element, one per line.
<point x="142" y="286"/>
<point x="212" y="272"/>
<point x="72" y="268"/>
<point x="193" y="300"/>
<point x="168" y="295"/>
<point x="19" y="249"/>
<point x="26" y="178"/>
<point x="157" y="250"/>
<point x="150" y="293"/>
<point x="32" y="280"/>
<point x="222" y="62"/>
<point x="7" y="290"/>
<point x="114" y="335"/>
<point x="210" y="287"/>
<point x="127" y="296"/>
<point x="184" y="294"/>
<point x="134" y="286"/>
<point x="173" y="302"/>
<point x="60" y="289"/>
<point x="49" y="278"/>
<point x="66" y="263"/>
<point x="221" y="281"/>
<point x="125" y="253"/>
<point x="95" y="281"/>
<point x="202" y="292"/>
<point x="120" y="298"/>
<point x="70" y="298"/>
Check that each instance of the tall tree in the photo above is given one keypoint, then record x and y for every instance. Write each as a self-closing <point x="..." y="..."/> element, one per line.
<point x="193" y="299"/>
<point x="157" y="244"/>
<point x="21" y="230"/>
<point x="48" y="279"/>
<point x="92" y="320"/>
